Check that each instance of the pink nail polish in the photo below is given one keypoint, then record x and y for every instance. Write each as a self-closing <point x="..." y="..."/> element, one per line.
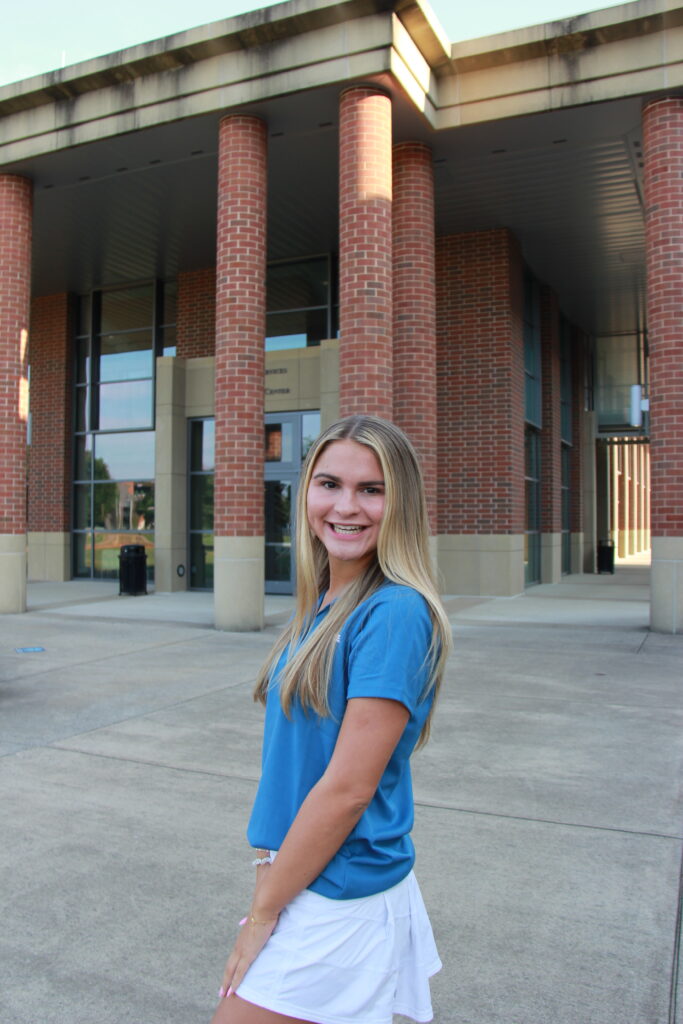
<point x="221" y="992"/>
<point x="230" y="992"/>
<point x="243" y="921"/>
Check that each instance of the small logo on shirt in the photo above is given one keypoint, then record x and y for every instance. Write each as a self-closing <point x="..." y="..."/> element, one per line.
<point x="338" y="640"/>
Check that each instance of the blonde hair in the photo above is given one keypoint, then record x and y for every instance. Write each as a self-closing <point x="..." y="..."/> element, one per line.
<point x="402" y="557"/>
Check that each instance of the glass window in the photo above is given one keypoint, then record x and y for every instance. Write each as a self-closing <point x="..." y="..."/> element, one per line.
<point x="82" y="506"/>
<point x="83" y="562"/>
<point x="82" y="401"/>
<point x="278" y="508"/>
<point x="202" y="445"/>
<point x="310" y="428"/>
<point x="201" y="561"/>
<point x="201" y="502"/>
<point x="83" y="468"/>
<point x="618" y="369"/>
<point x="121" y="456"/>
<point x="125" y="356"/>
<point x="299" y="329"/>
<point x="279" y="442"/>
<point x="128" y="404"/>
<point x="83" y="361"/>
<point x="298" y="285"/>
<point x="127" y="309"/>
<point x="201" y="486"/>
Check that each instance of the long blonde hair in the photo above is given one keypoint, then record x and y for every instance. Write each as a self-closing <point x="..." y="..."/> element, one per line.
<point x="402" y="557"/>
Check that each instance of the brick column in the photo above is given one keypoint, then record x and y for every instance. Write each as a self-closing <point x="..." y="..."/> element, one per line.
<point x="480" y="374"/>
<point x="365" y="271"/>
<point x="551" y="441"/>
<point x="414" y="301"/>
<point x="16" y="196"/>
<point x="50" y="469"/>
<point x="663" y="193"/>
<point x="240" y="334"/>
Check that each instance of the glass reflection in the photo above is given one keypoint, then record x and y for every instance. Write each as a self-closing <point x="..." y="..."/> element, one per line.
<point x="202" y="446"/>
<point x="126" y="356"/>
<point x="295" y="330"/>
<point x="83" y="457"/>
<point x="125" y="405"/>
<point x="279" y="444"/>
<point x="298" y="284"/>
<point x="82" y="506"/>
<point x="82" y="554"/>
<point x="310" y="428"/>
<point x="126" y="505"/>
<point x="201" y="503"/>
<point x="127" y="309"/>
<point x="82" y="409"/>
<point x="201" y="561"/>
<point x="278" y="503"/>
<point x="122" y="456"/>
<point x="107" y="548"/>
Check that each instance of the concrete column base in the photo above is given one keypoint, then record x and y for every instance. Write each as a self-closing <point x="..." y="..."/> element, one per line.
<point x="239" y="582"/>
<point x="49" y="557"/>
<point x="551" y="557"/>
<point x="12" y="573"/>
<point x="486" y="565"/>
<point x="666" y="585"/>
<point x="170" y="532"/>
<point x="578" y="555"/>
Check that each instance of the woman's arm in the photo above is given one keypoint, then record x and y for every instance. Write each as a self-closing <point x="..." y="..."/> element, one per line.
<point x="369" y="732"/>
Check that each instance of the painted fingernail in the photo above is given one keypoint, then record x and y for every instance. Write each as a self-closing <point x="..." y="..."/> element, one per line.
<point x="221" y="993"/>
<point x="243" y="921"/>
<point x="230" y="991"/>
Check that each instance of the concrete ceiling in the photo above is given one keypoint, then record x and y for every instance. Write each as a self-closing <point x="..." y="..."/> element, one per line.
<point x="566" y="183"/>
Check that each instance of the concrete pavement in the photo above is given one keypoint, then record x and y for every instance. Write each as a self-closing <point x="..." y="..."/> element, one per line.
<point x="548" y="822"/>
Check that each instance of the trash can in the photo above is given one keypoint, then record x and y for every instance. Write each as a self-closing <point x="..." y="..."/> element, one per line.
<point x="606" y="556"/>
<point x="133" y="569"/>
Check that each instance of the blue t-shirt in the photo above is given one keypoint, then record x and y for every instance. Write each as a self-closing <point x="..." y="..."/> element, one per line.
<point x="382" y="651"/>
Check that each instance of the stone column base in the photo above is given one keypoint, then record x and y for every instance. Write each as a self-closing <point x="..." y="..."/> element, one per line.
<point x="49" y="557"/>
<point x="551" y="557"/>
<point x="578" y="555"/>
<point x="239" y="582"/>
<point x="12" y="573"/>
<point x="486" y="565"/>
<point x="666" y="585"/>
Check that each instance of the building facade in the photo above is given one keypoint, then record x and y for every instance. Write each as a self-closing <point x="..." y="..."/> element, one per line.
<point x="214" y="244"/>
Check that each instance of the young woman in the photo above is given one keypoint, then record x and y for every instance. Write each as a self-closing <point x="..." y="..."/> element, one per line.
<point x="337" y="932"/>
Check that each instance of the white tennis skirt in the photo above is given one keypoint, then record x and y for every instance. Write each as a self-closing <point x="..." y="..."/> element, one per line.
<point x="348" y="961"/>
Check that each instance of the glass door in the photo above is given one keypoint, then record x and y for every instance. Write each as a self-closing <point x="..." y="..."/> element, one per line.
<point x="287" y="438"/>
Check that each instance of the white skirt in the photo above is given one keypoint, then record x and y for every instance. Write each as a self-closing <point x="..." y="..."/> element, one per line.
<point x="348" y="961"/>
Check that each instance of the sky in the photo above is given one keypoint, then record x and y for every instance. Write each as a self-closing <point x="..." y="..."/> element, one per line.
<point x="43" y="35"/>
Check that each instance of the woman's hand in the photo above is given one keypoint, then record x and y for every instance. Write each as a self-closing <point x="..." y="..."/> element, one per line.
<point x="250" y="941"/>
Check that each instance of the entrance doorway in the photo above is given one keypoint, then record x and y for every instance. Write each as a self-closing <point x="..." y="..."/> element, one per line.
<point x="288" y="436"/>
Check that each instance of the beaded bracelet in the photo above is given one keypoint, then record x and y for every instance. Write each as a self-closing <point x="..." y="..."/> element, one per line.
<point x="267" y="859"/>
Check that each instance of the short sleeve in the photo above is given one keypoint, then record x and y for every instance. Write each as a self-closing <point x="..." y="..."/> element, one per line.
<point x="388" y="653"/>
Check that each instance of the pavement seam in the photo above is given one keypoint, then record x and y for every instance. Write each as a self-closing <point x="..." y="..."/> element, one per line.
<point x="432" y="804"/>
<point x="150" y="764"/>
<point x="675" y="967"/>
<point x="443" y="806"/>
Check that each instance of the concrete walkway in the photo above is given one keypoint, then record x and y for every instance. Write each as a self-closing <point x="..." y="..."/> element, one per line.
<point x="548" y="824"/>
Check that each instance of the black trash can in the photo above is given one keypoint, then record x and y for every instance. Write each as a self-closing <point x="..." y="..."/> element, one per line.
<point x="606" y="556"/>
<point x="133" y="569"/>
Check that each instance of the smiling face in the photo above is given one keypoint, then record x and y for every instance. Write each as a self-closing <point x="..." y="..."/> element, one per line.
<point x="345" y="505"/>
